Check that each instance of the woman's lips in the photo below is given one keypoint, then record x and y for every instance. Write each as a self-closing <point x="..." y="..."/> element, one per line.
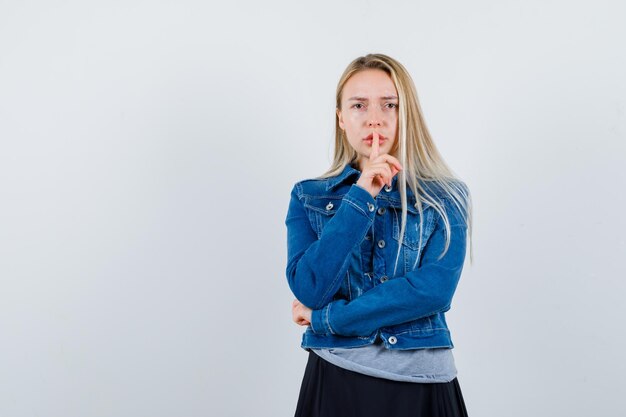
<point x="370" y="138"/>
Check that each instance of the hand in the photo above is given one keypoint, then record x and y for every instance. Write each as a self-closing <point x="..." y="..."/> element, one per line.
<point x="301" y="313"/>
<point x="380" y="170"/>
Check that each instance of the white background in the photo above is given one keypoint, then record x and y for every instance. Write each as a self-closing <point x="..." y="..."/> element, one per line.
<point x="147" y="152"/>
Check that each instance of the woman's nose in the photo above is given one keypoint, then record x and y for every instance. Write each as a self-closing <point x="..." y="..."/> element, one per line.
<point x="374" y="117"/>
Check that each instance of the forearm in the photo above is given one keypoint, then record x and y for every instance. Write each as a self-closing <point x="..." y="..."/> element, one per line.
<point x="420" y="293"/>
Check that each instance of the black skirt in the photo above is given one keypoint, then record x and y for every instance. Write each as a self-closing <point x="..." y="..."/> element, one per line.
<point x="330" y="391"/>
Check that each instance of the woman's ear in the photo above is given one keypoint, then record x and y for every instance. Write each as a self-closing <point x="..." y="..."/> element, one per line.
<point x="340" y="119"/>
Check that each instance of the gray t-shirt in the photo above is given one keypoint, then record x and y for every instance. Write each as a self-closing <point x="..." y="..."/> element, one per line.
<point x="415" y="365"/>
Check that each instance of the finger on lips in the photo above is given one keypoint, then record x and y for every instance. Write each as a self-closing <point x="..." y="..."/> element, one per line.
<point x="375" y="146"/>
<point x="391" y="166"/>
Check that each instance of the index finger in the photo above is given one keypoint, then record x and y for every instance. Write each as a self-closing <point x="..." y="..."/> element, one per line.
<point x="375" y="146"/>
<point x="392" y="160"/>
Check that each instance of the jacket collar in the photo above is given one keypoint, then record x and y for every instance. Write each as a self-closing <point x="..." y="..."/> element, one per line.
<point x="348" y="172"/>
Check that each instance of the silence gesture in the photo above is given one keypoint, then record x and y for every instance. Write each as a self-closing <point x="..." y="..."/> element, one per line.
<point x="379" y="170"/>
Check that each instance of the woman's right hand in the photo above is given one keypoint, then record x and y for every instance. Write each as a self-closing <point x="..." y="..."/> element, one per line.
<point x="380" y="170"/>
<point x="301" y="314"/>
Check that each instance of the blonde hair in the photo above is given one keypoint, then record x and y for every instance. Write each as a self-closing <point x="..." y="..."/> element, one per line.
<point x="415" y="150"/>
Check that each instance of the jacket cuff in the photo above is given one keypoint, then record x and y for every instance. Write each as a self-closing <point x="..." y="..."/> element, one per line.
<point x="320" y="320"/>
<point x="362" y="200"/>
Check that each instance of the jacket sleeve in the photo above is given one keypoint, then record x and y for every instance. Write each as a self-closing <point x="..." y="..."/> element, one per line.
<point x="315" y="267"/>
<point x="420" y="293"/>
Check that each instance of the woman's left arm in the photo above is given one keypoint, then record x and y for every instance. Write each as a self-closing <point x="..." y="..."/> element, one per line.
<point x="420" y="293"/>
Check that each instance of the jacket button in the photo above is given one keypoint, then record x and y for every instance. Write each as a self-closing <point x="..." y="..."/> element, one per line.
<point x="368" y="237"/>
<point x="384" y="278"/>
<point x="382" y="210"/>
<point x="393" y="340"/>
<point x="329" y="206"/>
<point x="388" y="188"/>
<point x="370" y="207"/>
<point x="381" y="243"/>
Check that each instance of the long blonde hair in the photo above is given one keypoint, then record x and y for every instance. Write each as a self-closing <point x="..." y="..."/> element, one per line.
<point x="417" y="152"/>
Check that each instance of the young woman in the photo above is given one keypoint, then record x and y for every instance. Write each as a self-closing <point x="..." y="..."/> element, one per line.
<point x="376" y="246"/>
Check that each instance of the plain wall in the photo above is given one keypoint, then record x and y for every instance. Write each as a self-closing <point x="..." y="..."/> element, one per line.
<point x="147" y="152"/>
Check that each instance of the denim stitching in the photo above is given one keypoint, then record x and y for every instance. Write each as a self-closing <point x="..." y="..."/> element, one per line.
<point x="421" y="331"/>
<point x="318" y="225"/>
<point x="311" y="324"/>
<point x="338" y="277"/>
<point x="328" y="318"/>
<point x="348" y="200"/>
<point x="349" y="289"/>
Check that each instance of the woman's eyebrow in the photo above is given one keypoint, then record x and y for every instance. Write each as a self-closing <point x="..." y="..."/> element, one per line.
<point x="365" y="98"/>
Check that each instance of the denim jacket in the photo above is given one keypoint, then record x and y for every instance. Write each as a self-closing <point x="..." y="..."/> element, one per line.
<point x="341" y="250"/>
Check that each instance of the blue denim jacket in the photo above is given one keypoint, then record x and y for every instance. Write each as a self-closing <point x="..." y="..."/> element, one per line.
<point x="342" y="246"/>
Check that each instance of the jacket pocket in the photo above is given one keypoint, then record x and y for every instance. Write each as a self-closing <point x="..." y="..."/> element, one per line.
<point x="415" y="236"/>
<point x="321" y="210"/>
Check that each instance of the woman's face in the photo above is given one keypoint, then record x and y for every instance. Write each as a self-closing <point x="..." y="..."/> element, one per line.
<point x="369" y="103"/>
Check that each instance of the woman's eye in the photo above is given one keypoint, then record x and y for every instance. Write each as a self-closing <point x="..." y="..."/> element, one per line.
<point x="393" y="105"/>
<point x="358" y="106"/>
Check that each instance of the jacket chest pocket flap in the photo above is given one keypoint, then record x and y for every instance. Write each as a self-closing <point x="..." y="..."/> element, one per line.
<point x="412" y="231"/>
<point x="321" y="210"/>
